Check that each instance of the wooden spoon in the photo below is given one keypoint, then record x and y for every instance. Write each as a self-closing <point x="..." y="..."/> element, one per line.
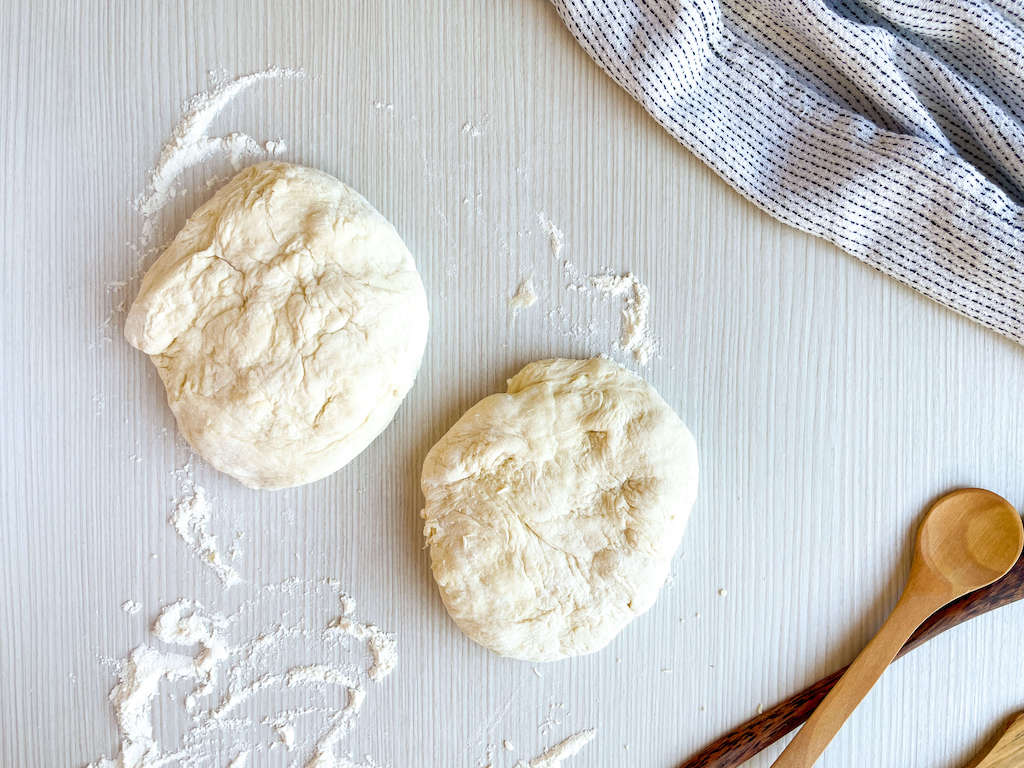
<point x="764" y="729"/>
<point x="968" y="539"/>
<point x="1006" y="750"/>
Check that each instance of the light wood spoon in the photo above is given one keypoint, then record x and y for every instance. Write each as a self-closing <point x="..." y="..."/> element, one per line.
<point x="761" y="731"/>
<point x="1006" y="750"/>
<point x="968" y="539"/>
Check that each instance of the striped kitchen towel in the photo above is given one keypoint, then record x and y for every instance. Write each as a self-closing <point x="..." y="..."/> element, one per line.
<point x="893" y="128"/>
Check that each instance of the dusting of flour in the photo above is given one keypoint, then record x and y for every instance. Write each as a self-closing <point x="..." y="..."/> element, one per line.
<point x="226" y="665"/>
<point x="634" y="333"/>
<point x="191" y="519"/>
<point x="555" y="236"/>
<point x="553" y="756"/>
<point x="382" y="645"/>
<point x="190" y="145"/>
<point x="635" y="336"/>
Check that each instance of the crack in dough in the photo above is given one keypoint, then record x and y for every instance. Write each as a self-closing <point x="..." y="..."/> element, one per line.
<point x="553" y="511"/>
<point x="287" y="321"/>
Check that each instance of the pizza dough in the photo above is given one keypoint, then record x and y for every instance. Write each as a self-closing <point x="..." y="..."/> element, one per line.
<point x="553" y="511"/>
<point x="287" y="321"/>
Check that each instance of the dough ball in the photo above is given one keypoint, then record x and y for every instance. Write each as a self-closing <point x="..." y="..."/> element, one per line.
<point x="287" y="321"/>
<point x="553" y="511"/>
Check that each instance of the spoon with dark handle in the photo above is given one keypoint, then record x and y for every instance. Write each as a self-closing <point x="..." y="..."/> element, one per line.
<point x="968" y="539"/>
<point x="760" y="732"/>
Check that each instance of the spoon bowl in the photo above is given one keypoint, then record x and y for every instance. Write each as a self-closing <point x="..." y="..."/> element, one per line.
<point x="968" y="539"/>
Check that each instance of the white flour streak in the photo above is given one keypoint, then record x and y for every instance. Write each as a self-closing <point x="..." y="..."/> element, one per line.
<point x="184" y="623"/>
<point x="226" y="674"/>
<point x="191" y="519"/>
<point x="190" y="145"/>
<point x="324" y="753"/>
<point x="382" y="646"/>
<point x="553" y="757"/>
<point x="555" y="236"/>
<point x="132" y="699"/>
<point x="634" y="333"/>
<point x="311" y="674"/>
<point x="285" y="732"/>
<point x="131" y="607"/>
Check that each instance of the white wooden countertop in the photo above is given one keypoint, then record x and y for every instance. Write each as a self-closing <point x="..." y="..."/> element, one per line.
<point x="829" y="403"/>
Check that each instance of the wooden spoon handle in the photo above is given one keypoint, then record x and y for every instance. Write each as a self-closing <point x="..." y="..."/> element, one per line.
<point x="760" y="732"/>
<point x="1006" y="750"/>
<point x="910" y="612"/>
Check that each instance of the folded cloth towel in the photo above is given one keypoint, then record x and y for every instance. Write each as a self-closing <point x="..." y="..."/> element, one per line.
<point x="893" y="128"/>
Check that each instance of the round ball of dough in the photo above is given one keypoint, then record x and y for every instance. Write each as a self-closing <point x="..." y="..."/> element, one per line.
<point x="287" y="321"/>
<point x="553" y="511"/>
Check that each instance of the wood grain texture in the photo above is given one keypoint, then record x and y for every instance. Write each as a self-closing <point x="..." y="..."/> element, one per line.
<point x="1007" y="749"/>
<point x="829" y="403"/>
<point x="969" y="539"/>
<point x="761" y="731"/>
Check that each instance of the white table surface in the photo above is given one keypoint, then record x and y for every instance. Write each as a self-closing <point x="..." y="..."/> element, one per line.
<point x="829" y="403"/>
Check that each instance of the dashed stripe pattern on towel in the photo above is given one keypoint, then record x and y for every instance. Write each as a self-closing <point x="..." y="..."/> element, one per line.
<point x="923" y="183"/>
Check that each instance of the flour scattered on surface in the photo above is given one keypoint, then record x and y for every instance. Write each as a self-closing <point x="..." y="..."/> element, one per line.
<point x="555" y="236"/>
<point x="574" y="276"/>
<point x="271" y="148"/>
<point x="524" y="297"/>
<point x="235" y="550"/>
<point x="191" y="519"/>
<point x="132" y="700"/>
<point x="382" y="645"/>
<point x="225" y="661"/>
<point x="572" y="328"/>
<point x="634" y="332"/>
<point x="475" y="129"/>
<point x="553" y="757"/>
<point x="131" y="607"/>
<point x="286" y="733"/>
<point x="191" y="144"/>
<point x="553" y="718"/>
<point x="635" y="336"/>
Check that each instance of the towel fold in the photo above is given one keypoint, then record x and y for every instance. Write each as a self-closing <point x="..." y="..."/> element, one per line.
<point x="892" y="128"/>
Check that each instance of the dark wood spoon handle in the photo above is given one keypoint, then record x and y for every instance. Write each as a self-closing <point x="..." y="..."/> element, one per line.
<point x="760" y="732"/>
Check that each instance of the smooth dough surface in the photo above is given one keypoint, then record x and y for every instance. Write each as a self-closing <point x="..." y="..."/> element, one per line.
<point x="553" y="511"/>
<point x="287" y="321"/>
